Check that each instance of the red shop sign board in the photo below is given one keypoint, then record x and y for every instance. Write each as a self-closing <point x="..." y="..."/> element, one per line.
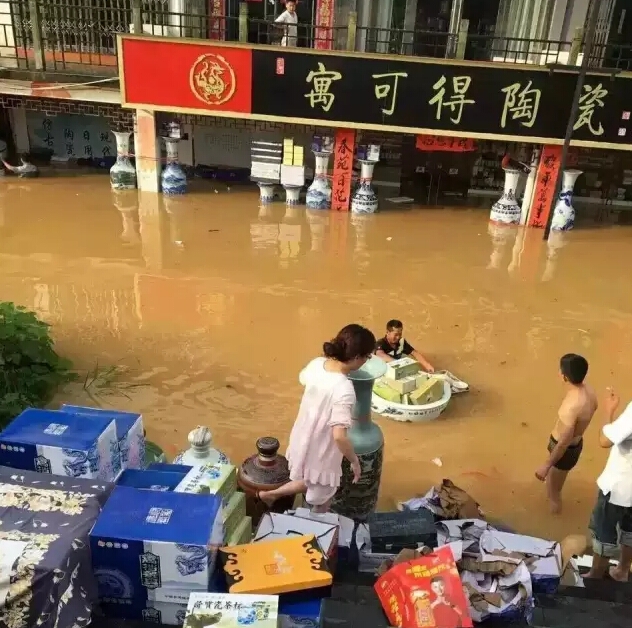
<point x="440" y="143"/>
<point x="425" y="592"/>
<point x="344" y="149"/>
<point x="544" y="190"/>
<point x="183" y="76"/>
<point x="324" y="25"/>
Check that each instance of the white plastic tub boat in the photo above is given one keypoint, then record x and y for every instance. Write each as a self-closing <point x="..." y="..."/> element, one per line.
<point x="411" y="414"/>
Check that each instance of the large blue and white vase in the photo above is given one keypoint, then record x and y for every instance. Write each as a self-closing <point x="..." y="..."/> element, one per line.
<point x="364" y="200"/>
<point x="173" y="177"/>
<point x="319" y="192"/>
<point x="564" y="212"/>
<point x="506" y="209"/>
<point x="122" y="173"/>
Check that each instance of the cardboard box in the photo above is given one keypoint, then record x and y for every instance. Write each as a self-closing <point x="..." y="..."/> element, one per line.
<point x="144" y="541"/>
<point x="129" y="432"/>
<point x="392" y="532"/>
<point x="150" y="480"/>
<point x="382" y="389"/>
<point x="293" y="175"/>
<point x="169" y="466"/>
<point x="424" y="592"/>
<point x="234" y="513"/>
<point x="299" y="614"/>
<point x="277" y="566"/>
<point x="61" y="443"/>
<point x="242" y="533"/>
<point x="216" y="479"/>
<point x="168" y="609"/>
<point x="430" y="391"/>
<point x="404" y="367"/>
<point x="232" y="611"/>
<point x="274" y="526"/>
<point x="403" y="386"/>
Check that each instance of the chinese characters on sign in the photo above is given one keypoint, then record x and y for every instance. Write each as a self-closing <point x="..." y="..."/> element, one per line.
<point x="591" y="99"/>
<point x="217" y="21"/>
<point x="521" y="103"/>
<point x="321" y="81"/>
<point x="456" y="101"/>
<point x="344" y="149"/>
<point x="387" y="89"/>
<point x="544" y="191"/>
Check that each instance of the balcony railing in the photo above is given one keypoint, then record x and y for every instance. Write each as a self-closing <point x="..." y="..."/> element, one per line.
<point x="79" y="36"/>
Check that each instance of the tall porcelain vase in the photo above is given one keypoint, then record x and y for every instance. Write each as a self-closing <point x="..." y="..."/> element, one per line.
<point x="319" y="192"/>
<point x="122" y="173"/>
<point x="564" y="212"/>
<point x="506" y="210"/>
<point x="364" y="199"/>
<point x="173" y="178"/>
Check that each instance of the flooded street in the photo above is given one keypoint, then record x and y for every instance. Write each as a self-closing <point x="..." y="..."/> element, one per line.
<point x="203" y="309"/>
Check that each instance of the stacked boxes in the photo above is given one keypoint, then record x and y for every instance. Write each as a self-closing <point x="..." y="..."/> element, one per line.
<point x="293" y="167"/>
<point x="129" y="432"/>
<point x="220" y="480"/>
<point x="404" y="383"/>
<point x="152" y="549"/>
<point x="62" y="443"/>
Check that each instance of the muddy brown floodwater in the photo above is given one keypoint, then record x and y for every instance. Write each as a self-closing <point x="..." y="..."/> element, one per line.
<point x="205" y="308"/>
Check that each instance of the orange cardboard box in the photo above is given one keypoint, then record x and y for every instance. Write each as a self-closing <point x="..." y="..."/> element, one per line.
<point x="425" y="592"/>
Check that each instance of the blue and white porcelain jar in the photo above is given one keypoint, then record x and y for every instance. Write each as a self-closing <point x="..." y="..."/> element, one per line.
<point x="173" y="177"/>
<point x="319" y="192"/>
<point x="364" y="199"/>
<point x="200" y="451"/>
<point x="506" y="209"/>
<point x="122" y="173"/>
<point x="564" y="212"/>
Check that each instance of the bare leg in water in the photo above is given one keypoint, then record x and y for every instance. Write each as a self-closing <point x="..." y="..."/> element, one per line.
<point x="599" y="567"/>
<point x="291" y="488"/>
<point x="554" y="485"/>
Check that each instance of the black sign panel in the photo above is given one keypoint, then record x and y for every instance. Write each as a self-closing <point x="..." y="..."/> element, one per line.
<point x="469" y="99"/>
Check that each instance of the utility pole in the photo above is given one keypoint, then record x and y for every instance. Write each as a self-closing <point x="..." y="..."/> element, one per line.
<point x="581" y="77"/>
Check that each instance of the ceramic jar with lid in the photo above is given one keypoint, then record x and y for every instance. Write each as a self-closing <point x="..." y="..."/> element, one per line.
<point x="201" y="450"/>
<point x="264" y="471"/>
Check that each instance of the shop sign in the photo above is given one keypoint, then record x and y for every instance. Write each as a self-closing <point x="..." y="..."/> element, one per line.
<point x="407" y="95"/>
<point x="323" y="37"/>
<point x="439" y="143"/>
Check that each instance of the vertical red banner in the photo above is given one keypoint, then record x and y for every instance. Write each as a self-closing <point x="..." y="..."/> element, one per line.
<point x="324" y="34"/>
<point x="542" y="202"/>
<point x="217" y="20"/>
<point x="344" y="149"/>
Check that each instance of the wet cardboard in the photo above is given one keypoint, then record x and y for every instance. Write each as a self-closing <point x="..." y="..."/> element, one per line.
<point x="392" y="532"/>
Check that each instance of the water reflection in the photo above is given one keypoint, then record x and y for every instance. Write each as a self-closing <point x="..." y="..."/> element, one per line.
<point x="213" y="304"/>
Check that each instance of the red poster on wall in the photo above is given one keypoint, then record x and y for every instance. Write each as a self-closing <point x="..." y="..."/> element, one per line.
<point x="344" y="149"/>
<point x="440" y="143"/>
<point x="324" y="35"/>
<point x="217" y="20"/>
<point x="542" y="201"/>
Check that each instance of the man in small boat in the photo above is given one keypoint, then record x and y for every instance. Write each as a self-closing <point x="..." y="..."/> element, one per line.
<point x="393" y="346"/>
<point x="25" y="170"/>
<point x="573" y="418"/>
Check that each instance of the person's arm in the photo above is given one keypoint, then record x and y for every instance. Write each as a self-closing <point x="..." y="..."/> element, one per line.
<point x="343" y="443"/>
<point x="384" y="356"/>
<point x="614" y="432"/>
<point x="410" y="350"/>
<point x="604" y="441"/>
<point x="340" y="421"/>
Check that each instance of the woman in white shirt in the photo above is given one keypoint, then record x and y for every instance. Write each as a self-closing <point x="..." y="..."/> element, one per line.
<point x="611" y="520"/>
<point x="289" y="20"/>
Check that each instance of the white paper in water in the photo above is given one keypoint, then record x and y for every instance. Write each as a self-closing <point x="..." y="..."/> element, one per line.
<point x="10" y="551"/>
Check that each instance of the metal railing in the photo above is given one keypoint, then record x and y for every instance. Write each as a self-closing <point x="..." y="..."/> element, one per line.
<point x="79" y="36"/>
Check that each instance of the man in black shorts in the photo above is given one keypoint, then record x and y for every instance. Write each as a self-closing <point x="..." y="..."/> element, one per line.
<point x="393" y="346"/>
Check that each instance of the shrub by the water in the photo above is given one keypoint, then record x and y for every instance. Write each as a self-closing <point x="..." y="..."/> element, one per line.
<point x="30" y="369"/>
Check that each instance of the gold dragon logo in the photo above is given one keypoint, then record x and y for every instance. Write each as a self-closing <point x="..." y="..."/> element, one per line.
<point x="212" y="79"/>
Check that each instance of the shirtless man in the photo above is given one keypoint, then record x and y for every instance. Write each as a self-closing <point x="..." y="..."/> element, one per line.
<point x="566" y="442"/>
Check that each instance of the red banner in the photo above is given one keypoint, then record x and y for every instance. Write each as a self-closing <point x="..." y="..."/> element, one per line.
<point x="440" y="143"/>
<point x="544" y="191"/>
<point x="180" y="75"/>
<point x="324" y="34"/>
<point x="344" y="149"/>
<point x="217" y="19"/>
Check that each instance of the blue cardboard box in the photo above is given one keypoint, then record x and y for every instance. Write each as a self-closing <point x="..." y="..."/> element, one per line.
<point x="61" y="443"/>
<point x="150" y="479"/>
<point x="163" y="611"/>
<point x="150" y="544"/>
<point x="169" y="466"/>
<point x="129" y="431"/>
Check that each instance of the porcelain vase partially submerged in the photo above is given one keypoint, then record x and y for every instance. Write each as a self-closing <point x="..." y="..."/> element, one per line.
<point x="564" y="212"/>
<point x="506" y="209"/>
<point x="173" y="177"/>
<point x="364" y="199"/>
<point x="319" y="192"/>
<point x="122" y="173"/>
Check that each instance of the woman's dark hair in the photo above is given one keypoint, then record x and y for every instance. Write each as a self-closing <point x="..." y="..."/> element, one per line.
<point x="352" y="341"/>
